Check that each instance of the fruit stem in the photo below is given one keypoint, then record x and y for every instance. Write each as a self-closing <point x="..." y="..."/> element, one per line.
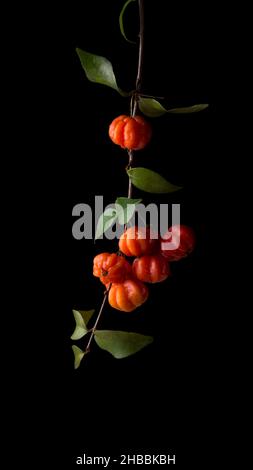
<point x="98" y="318"/>
<point x="130" y="187"/>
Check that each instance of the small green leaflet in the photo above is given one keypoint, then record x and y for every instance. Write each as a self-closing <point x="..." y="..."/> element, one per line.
<point x="121" y="343"/>
<point x="82" y="317"/>
<point x="86" y="314"/>
<point x="98" y="69"/>
<point x="196" y="108"/>
<point x="126" y="208"/>
<point x="121" y="21"/>
<point x="105" y="221"/>
<point x="78" y="355"/>
<point x="150" y="181"/>
<point x="122" y="213"/>
<point x="152" y="108"/>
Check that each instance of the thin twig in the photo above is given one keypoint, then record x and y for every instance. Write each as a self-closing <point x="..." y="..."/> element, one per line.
<point x="130" y="187"/>
<point x="141" y="56"/>
<point x="135" y="96"/>
<point x="97" y="320"/>
<point x="152" y="96"/>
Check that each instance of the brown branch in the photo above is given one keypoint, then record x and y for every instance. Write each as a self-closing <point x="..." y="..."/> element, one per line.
<point x="130" y="187"/>
<point x="97" y="320"/>
<point x="135" y="96"/>
<point x="141" y="56"/>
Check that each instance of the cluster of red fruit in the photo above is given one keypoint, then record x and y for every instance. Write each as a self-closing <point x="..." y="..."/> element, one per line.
<point x="151" y="263"/>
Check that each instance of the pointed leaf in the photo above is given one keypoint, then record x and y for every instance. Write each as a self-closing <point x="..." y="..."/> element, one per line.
<point x="127" y="206"/>
<point x="125" y="201"/>
<point x="150" y="181"/>
<point x="105" y="221"/>
<point x="78" y="355"/>
<point x="152" y="108"/>
<point x="80" y="329"/>
<point x="121" y="21"/>
<point x="98" y="69"/>
<point x="86" y="314"/>
<point x="196" y="108"/>
<point x="121" y="343"/>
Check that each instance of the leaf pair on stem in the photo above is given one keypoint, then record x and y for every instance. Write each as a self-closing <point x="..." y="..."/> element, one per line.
<point x="120" y="344"/>
<point x="98" y="69"/>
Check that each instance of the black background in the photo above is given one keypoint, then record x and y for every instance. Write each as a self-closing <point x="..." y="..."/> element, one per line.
<point x="160" y="400"/>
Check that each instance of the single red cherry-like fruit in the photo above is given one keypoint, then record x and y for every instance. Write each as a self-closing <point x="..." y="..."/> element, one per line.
<point x="182" y="242"/>
<point x="127" y="296"/>
<point x="137" y="241"/>
<point x="151" y="268"/>
<point x="110" y="267"/>
<point x="132" y="133"/>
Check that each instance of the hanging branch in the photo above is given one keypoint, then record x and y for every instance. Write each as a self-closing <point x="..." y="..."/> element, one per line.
<point x="133" y="109"/>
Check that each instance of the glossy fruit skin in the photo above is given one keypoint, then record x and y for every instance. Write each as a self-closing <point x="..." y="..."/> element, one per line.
<point x="132" y="133"/>
<point x="186" y="245"/>
<point x="151" y="268"/>
<point x="110" y="267"/>
<point x="137" y="241"/>
<point x="127" y="296"/>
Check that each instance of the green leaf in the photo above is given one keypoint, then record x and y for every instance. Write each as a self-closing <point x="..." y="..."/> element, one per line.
<point x="80" y="329"/>
<point x="121" y="21"/>
<point x="150" y="181"/>
<point x="121" y="343"/>
<point x="125" y="201"/>
<point x="98" y="69"/>
<point x="78" y="354"/>
<point x="128" y="207"/>
<point x="111" y="216"/>
<point x="196" y="108"/>
<point x="105" y="221"/>
<point x="152" y="108"/>
<point x="86" y="314"/>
